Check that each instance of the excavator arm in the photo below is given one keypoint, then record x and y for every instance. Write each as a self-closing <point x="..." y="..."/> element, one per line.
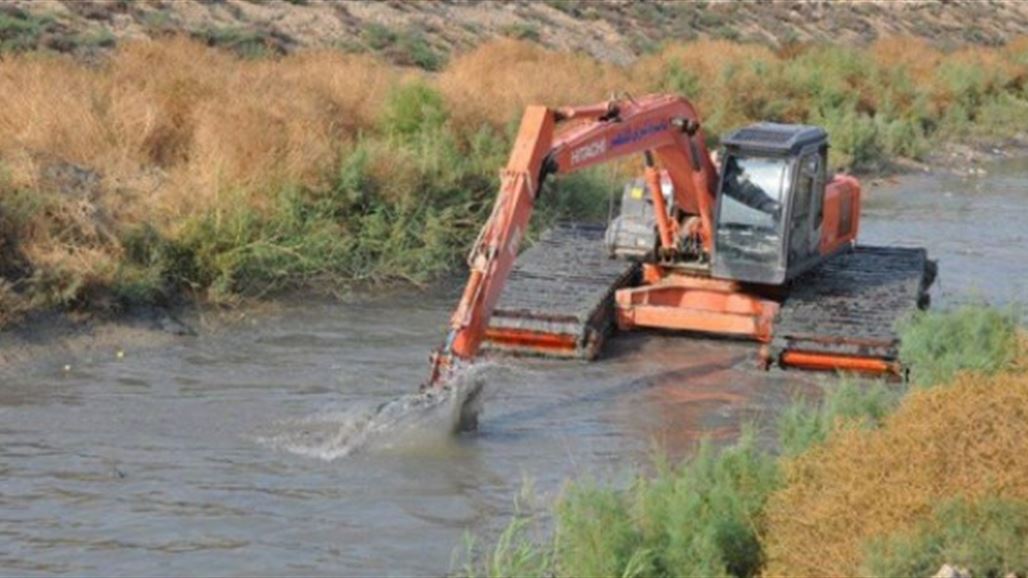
<point x="665" y="128"/>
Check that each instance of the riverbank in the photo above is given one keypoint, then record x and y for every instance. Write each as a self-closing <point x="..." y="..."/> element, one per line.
<point x="874" y="479"/>
<point x="65" y="336"/>
<point x="173" y="172"/>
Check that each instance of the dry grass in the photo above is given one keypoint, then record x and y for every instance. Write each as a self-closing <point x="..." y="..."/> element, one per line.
<point x="493" y="83"/>
<point x="714" y="68"/>
<point x="173" y="131"/>
<point x="962" y="440"/>
<point x="206" y="120"/>
<point x="168" y="128"/>
<point x="916" y="56"/>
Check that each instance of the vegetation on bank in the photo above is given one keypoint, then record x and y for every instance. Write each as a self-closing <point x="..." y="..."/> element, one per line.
<point x="865" y="483"/>
<point x="174" y="168"/>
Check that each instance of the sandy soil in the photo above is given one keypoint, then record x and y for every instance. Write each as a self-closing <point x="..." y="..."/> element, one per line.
<point x="612" y="30"/>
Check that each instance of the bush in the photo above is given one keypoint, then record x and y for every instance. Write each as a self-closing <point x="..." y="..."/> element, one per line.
<point x="413" y="49"/>
<point x="21" y="31"/>
<point x="101" y="39"/>
<point x="704" y="517"/>
<point x="595" y="534"/>
<point x="513" y="555"/>
<point x="411" y="109"/>
<point x="378" y="36"/>
<point x="858" y="492"/>
<point x="989" y="538"/>
<point x="231" y="160"/>
<point x="246" y="43"/>
<point x="936" y="345"/>
<point x="855" y="139"/>
<point x="701" y="518"/>
<point x="522" y="31"/>
<point x="408" y="47"/>
<point x="1000" y="115"/>
<point x="962" y="441"/>
<point x="846" y="402"/>
<point x="877" y="103"/>
<point x="682" y="81"/>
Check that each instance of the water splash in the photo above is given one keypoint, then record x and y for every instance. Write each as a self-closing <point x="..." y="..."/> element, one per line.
<point x="410" y="421"/>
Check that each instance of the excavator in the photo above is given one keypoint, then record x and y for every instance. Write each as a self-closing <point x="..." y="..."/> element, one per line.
<point x="757" y="244"/>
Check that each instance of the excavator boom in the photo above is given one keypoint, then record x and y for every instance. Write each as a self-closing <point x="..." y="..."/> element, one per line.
<point x="665" y="127"/>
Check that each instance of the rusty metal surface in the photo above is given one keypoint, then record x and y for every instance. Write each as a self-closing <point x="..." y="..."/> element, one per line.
<point x="850" y="304"/>
<point x="563" y="285"/>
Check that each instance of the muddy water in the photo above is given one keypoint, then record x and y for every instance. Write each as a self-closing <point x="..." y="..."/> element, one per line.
<point x="976" y="227"/>
<point x="213" y="455"/>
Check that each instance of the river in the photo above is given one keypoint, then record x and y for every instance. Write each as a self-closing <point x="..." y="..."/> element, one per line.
<point x="213" y="455"/>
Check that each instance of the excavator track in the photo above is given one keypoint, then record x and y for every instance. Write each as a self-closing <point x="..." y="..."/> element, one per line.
<point x="842" y="315"/>
<point x="558" y="300"/>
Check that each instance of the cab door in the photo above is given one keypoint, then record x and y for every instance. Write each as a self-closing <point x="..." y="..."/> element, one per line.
<point x="805" y="220"/>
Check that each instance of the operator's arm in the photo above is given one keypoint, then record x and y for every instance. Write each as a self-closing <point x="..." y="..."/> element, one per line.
<point x="751" y="195"/>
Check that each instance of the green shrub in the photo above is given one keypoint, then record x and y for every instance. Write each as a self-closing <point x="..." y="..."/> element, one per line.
<point x="134" y="285"/>
<point x="413" y="49"/>
<point x="585" y="196"/>
<point x="513" y="555"/>
<point x="412" y="108"/>
<point x="1001" y="116"/>
<point x="244" y="42"/>
<point x="101" y="39"/>
<point x="967" y="83"/>
<point x="21" y="30"/>
<point x="727" y="32"/>
<point x="156" y="21"/>
<point x="681" y="81"/>
<point x="847" y="401"/>
<point x="595" y="533"/>
<point x="522" y="31"/>
<point x="571" y="7"/>
<point x="701" y="518"/>
<point x="708" y="18"/>
<point x="378" y="36"/>
<point x="241" y="251"/>
<point x="142" y="275"/>
<point x="987" y="539"/>
<point x="936" y="345"/>
<point x="651" y="13"/>
<point x="856" y="142"/>
<point x="412" y="223"/>
<point x="902" y="137"/>
<point x="19" y="207"/>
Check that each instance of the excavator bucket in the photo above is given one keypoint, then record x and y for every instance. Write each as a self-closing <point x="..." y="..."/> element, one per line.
<point x="558" y="301"/>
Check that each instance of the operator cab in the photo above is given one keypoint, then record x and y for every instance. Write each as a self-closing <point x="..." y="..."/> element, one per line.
<point x="769" y="211"/>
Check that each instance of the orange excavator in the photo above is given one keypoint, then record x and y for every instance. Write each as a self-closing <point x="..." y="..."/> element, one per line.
<point x="760" y="246"/>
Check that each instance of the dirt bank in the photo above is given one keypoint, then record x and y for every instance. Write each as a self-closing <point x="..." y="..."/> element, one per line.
<point x="425" y="33"/>
<point x="58" y="337"/>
